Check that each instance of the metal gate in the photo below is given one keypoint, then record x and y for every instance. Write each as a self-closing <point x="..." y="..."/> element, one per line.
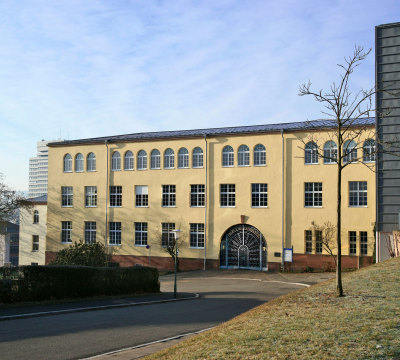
<point x="243" y="247"/>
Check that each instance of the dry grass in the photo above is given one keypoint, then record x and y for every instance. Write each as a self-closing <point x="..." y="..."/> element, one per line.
<point x="312" y="324"/>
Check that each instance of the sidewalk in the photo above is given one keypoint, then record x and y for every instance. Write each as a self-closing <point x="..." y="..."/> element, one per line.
<point x="29" y="310"/>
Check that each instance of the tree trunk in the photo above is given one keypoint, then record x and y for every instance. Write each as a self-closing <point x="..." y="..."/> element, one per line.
<point x="339" y="287"/>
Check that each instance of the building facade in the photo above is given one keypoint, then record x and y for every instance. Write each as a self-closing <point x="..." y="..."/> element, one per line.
<point x="32" y="232"/>
<point x="38" y="170"/>
<point x="239" y="195"/>
<point x="387" y="59"/>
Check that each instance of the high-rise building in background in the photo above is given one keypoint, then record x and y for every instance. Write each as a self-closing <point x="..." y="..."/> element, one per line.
<point x="38" y="169"/>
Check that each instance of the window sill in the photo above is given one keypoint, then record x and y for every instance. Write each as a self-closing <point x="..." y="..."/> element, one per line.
<point x="182" y="167"/>
<point x="91" y="170"/>
<point x="67" y="206"/>
<point x="66" y="242"/>
<point x="260" y="165"/>
<point x="141" y="169"/>
<point x="111" y="206"/>
<point x="196" y="247"/>
<point x="35" y="251"/>
<point x="141" y="207"/>
<point x="115" y="170"/>
<point x="172" y="168"/>
<point x="114" y="244"/>
<point x="259" y="207"/>
<point x="330" y="163"/>
<point x="165" y="206"/>
<point x="228" y="166"/>
<point x="243" y="165"/>
<point x="141" y="245"/>
<point x="80" y="171"/>
<point x="65" y="172"/>
<point x="198" y="167"/>
<point x="129" y="169"/>
<point x="155" y="168"/>
<point x="358" y="206"/>
<point x="87" y="206"/>
<point x="313" y="207"/>
<point x="311" y="163"/>
<point x="197" y="207"/>
<point x="227" y="207"/>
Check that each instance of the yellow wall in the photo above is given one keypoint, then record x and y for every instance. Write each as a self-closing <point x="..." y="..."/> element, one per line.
<point x="267" y="220"/>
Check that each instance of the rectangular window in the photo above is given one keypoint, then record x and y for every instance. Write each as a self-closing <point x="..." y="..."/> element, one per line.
<point x="140" y="233"/>
<point x="116" y="196"/>
<point x="197" y="195"/>
<point x="357" y="193"/>
<point x="352" y="243"/>
<point x="259" y="195"/>
<point x="66" y="196"/>
<point x="308" y="241"/>
<point x="227" y="195"/>
<point x="363" y="243"/>
<point x="313" y="194"/>
<point x="142" y="196"/>
<point x="168" y="195"/>
<point x="66" y="230"/>
<point x="197" y="235"/>
<point x="168" y="236"/>
<point x="90" y="232"/>
<point x="90" y="196"/>
<point x="35" y="242"/>
<point x="318" y="242"/>
<point x="115" y="233"/>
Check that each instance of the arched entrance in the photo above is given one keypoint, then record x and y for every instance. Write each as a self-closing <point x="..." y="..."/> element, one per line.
<point x="243" y="247"/>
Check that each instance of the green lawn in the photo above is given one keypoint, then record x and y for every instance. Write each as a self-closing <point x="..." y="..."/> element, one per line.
<point x="312" y="323"/>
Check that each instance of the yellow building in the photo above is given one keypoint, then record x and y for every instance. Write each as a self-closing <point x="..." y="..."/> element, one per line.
<point x="239" y="195"/>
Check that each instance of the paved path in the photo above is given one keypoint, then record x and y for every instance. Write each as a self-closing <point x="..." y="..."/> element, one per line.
<point x="224" y="294"/>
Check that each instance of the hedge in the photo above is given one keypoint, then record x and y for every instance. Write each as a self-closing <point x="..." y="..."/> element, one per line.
<point x="35" y="283"/>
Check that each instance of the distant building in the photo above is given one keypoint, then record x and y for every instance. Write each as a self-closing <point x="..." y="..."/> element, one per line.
<point x="9" y="244"/>
<point x="387" y="57"/>
<point x="32" y="235"/>
<point x="38" y="169"/>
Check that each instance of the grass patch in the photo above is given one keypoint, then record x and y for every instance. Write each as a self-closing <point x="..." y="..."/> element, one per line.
<point x="312" y="323"/>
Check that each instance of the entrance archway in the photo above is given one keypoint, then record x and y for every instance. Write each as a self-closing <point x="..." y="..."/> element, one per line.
<point x="243" y="247"/>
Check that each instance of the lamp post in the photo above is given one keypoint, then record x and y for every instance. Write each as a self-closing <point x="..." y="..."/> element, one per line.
<point x="177" y="233"/>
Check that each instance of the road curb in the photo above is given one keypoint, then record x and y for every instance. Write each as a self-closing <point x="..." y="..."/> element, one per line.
<point x="92" y="308"/>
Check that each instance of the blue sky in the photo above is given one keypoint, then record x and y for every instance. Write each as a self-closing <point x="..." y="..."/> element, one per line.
<point x="91" y="68"/>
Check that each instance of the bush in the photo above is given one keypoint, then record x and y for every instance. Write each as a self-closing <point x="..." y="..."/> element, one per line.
<point x="79" y="253"/>
<point x="59" y="282"/>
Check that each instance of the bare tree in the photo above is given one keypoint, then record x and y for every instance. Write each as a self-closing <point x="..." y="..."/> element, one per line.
<point x="327" y="237"/>
<point x="346" y="111"/>
<point x="392" y="241"/>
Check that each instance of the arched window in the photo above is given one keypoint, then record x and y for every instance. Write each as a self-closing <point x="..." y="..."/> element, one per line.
<point x="169" y="159"/>
<point x="79" y="163"/>
<point x="67" y="163"/>
<point x="349" y="151"/>
<point x="243" y="155"/>
<point x="116" y="161"/>
<point x="91" y="162"/>
<point x="142" y="160"/>
<point x="311" y="153"/>
<point x="197" y="158"/>
<point x="260" y="155"/>
<point x="227" y="156"/>
<point x="183" y="158"/>
<point x="369" y="150"/>
<point x="36" y="217"/>
<point x="330" y="152"/>
<point x="128" y="160"/>
<point x="155" y="161"/>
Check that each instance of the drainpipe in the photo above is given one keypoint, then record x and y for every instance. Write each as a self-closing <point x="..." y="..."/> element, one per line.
<point x="205" y="204"/>
<point x="283" y="200"/>
<point x="106" y="235"/>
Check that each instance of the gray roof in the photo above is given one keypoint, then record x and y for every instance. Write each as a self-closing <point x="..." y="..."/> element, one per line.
<point x="39" y="199"/>
<point x="235" y="130"/>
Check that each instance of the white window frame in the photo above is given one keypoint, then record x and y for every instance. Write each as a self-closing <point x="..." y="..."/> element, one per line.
<point x="313" y="190"/>
<point x="353" y="243"/>
<point x="330" y="152"/>
<point x="243" y="156"/>
<point x="141" y="196"/>
<point x="318" y="242"/>
<point x="129" y="161"/>
<point x="197" y="236"/>
<point x="155" y="159"/>
<point x="363" y="243"/>
<point x="79" y="163"/>
<point x="67" y="163"/>
<point x="169" y="159"/>
<point x="116" y="161"/>
<point x="349" y="151"/>
<point x="36" y="217"/>
<point x="369" y="150"/>
<point x="142" y="160"/>
<point x="114" y="233"/>
<point x="183" y="158"/>
<point x="197" y="195"/>
<point x="197" y="158"/>
<point x="67" y="196"/>
<point x="259" y="195"/>
<point x="167" y="234"/>
<point x="260" y="155"/>
<point x="35" y="243"/>
<point x="90" y="232"/>
<point x="308" y="241"/>
<point x="311" y="153"/>
<point x="90" y="196"/>
<point x="227" y="195"/>
<point x="357" y="195"/>
<point x="141" y="233"/>
<point x="168" y="196"/>
<point x="228" y="156"/>
<point x="91" y="162"/>
<point x="66" y="232"/>
<point x="115" y="196"/>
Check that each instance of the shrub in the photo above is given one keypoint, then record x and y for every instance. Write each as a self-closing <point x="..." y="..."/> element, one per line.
<point x="59" y="282"/>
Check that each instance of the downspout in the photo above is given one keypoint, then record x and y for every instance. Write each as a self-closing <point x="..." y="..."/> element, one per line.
<point x="205" y="204"/>
<point x="106" y="235"/>
<point x="283" y="200"/>
<point x="377" y="155"/>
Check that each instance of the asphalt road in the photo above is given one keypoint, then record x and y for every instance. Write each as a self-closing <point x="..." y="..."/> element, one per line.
<point x="80" y="335"/>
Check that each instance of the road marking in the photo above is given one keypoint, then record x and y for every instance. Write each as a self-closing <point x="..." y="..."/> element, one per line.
<point x="92" y="308"/>
<point x="149" y="343"/>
